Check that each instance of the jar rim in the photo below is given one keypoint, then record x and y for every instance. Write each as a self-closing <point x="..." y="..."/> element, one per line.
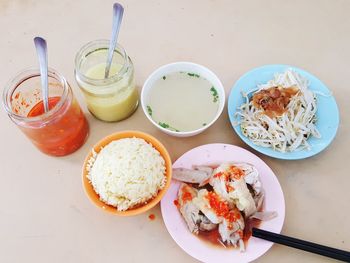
<point x="92" y="47"/>
<point x="25" y="75"/>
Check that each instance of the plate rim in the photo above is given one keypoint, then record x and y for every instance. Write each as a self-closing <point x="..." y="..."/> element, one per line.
<point x="276" y="154"/>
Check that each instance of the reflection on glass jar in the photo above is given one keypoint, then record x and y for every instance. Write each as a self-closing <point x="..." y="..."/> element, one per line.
<point x="61" y="130"/>
<point x="109" y="99"/>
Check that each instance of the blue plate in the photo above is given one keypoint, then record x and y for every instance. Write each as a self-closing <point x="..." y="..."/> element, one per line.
<point x="327" y="110"/>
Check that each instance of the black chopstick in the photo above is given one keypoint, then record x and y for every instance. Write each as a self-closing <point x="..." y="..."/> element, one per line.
<point x="302" y="244"/>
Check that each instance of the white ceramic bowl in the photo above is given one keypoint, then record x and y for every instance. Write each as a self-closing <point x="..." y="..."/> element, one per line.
<point x="187" y="67"/>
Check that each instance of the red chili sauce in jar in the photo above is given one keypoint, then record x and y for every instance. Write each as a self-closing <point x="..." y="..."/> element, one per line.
<point x="63" y="132"/>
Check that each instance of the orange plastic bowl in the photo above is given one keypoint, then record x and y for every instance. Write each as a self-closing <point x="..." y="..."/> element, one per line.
<point x="94" y="197"/>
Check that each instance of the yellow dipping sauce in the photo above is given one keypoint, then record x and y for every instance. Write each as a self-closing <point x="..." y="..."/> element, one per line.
<point x="98" y="71"/>
<point x="113" y="100"/>
<point x="109" y="99"/>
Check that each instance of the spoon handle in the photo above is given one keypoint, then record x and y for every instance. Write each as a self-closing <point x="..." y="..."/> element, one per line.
<point x="41" y="49"/>
<point x="118" y="11"/>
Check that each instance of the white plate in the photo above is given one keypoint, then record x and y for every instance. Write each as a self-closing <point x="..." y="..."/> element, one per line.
<point x="204" y="251"/>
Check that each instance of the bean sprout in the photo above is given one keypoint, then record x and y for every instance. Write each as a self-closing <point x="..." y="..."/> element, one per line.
<point x="290" y="131"/>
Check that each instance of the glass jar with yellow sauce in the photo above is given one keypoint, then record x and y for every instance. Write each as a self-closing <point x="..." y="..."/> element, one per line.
<point x="109" y="99"/>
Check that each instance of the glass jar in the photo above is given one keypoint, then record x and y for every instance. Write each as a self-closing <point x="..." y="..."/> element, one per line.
<point x="109" y="99"/>
<point x="59" y="131"/>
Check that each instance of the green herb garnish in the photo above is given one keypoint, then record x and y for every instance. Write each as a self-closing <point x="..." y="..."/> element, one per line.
<point x="163" y="124"/>
<point x="167" y="126"/>
<point x="204" y="124"/>
<point x="215" y="94"/>
<point x="149" y="110"/>
<point x="164" y="77"/>
<point x="193" y="75"/>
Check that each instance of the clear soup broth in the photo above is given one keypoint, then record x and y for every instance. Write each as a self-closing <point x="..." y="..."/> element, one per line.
<point x="183" y="101"/>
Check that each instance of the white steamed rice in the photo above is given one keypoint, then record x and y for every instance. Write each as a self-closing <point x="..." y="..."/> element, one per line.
<point x="127" y="172"/>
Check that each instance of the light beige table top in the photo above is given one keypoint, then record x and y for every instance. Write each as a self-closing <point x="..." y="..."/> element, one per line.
<point x="44" y="214"/>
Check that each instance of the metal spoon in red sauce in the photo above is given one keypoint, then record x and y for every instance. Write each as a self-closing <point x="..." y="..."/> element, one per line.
<point x="39" y="109"/>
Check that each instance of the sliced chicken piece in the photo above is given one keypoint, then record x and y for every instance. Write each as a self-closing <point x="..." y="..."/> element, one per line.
<point x="194" y="219"/>
<point x="202" y="203"/>
<point x="231" y="229"/>
<point x="228" y="181"/>
<point x="259" y="200"/>
<point x="205" y="224"/>
<point x="217" y="210"/>
<point x="204" y="168"/>
<point x="251" y="176"/>
<point x="189" y="211"/>
<point x="221" y="186"/>
<point x="196" y="175"/>
<point x="242" y="197"/>
<point x="265" y="216"/>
